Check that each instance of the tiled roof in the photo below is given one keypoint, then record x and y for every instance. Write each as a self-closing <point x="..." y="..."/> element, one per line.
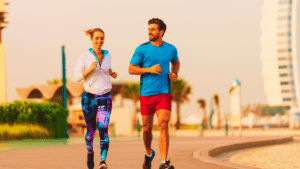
<point x="47" y="91"/>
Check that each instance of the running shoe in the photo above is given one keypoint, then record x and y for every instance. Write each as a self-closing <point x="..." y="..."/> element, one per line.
<point x="166" y="165"/>
<point x="90" y="160"/>
<point x="148" y="160"/>
<point x="102" y="165"/>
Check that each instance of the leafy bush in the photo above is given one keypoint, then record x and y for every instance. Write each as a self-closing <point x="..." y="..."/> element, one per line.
<point x="182" y="127"/>
<point x="48" y="114"/>
<point x="189" y="127"/>
<point x="271" y="111"/>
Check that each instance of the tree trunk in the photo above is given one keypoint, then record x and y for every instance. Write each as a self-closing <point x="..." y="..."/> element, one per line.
<point x="219" y="117"/>
<point x="178" y="115"/>
<point x="204" y="119"/>
<point x="121" y="101"/>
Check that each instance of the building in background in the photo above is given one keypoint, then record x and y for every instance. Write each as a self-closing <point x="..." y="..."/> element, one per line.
<point x="2" y="55"/>
<point x="122" y="116"/>
<point x="278" y="52"/>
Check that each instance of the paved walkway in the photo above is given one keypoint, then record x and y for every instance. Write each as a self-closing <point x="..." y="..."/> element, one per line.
<point x="122" y="155"/>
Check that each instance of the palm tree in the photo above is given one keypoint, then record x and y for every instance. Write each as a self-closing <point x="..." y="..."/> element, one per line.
<point x="179" y="91"/>
<point x="202" y="105"/>
<point x="117" y="88"/>
<point x="132" y="91"/>
<point x="217" y="103"/>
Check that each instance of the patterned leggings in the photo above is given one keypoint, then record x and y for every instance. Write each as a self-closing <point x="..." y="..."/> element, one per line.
<point x="97" y="108"/>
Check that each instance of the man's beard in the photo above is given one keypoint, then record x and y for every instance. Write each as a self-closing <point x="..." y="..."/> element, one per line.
<point x="154" y="38"/>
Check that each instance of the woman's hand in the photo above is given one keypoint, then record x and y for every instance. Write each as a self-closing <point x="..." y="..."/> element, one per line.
<point x="89" y="70"/>
<point x="93" y="65"/>
<point x="113" y="74"/>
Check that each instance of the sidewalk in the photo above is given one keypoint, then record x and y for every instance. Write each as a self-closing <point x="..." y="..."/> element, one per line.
<point x="123" y="155"/>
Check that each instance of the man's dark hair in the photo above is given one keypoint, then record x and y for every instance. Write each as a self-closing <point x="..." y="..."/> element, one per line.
<point x="160" y="23"/>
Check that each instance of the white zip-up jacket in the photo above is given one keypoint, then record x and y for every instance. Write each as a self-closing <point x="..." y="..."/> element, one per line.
<point x="98" y="81"/>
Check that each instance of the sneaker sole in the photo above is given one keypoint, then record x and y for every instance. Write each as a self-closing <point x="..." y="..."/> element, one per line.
<point x="170" y="167"/>
<point x="103" y="167"/>
<point x="90" y="166"/>
<point x="147" y="167"/>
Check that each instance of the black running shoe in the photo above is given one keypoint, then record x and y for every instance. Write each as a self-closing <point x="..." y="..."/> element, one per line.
<point x="148" y="160"/>
<point x="90" y="160"/>
<point x="166" y="165"/>
<point x="102" y="165"/>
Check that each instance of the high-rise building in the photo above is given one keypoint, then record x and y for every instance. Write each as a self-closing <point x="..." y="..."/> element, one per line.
<point x="279" y="52"/>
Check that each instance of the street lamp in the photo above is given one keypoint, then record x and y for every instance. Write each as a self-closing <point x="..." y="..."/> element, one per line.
<point x="64" y="87"/>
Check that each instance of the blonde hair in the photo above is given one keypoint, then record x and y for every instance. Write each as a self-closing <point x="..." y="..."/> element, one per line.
<point x="91" y="32"/>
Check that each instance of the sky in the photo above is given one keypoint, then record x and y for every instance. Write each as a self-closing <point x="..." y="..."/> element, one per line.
<point x="217" y="42"/>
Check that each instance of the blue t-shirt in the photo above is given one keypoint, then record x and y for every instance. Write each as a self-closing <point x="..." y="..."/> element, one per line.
<point x="147" y="55"/>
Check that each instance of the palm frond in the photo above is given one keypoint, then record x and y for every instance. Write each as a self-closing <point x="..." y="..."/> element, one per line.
<point x="131" y="91"/>
<point x="201" y="102"/>
<point x="180" y="90"/>
<point x="216" y="98"/>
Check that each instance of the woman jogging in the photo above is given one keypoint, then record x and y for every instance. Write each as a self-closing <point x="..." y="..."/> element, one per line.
<point x="94" y="68"/>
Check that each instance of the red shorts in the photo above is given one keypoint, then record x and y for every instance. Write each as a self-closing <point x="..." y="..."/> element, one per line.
<point x="150" y="104"/>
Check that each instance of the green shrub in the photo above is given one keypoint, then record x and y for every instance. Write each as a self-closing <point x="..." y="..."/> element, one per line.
<point x="189" y="127"/>
<point x="48" y="114"/>
<point x="155" y="128"/>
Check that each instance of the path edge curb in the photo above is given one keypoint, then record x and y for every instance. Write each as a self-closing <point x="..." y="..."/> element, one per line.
<point x="206" y="154"/>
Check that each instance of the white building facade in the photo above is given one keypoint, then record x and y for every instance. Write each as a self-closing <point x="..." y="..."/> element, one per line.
<point x="278" y="52"/>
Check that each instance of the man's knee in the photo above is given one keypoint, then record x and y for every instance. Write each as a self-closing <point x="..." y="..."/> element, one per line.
<point x="147" y="128"/>
<point x="163" y="125"/>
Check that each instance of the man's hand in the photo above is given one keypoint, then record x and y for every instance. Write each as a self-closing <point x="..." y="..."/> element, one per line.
<point x="114" y="75"/>
<point x="156" y="69"/>
<point x="172" y="76"/>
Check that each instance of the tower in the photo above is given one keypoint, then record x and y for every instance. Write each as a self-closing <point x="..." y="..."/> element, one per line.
<point x="279" y="53"/>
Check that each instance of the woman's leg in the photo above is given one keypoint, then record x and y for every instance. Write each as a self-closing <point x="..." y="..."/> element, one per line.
<point x="89" y="136"/>
<point x="89" y="108"/>
<point x="103" y="117"/>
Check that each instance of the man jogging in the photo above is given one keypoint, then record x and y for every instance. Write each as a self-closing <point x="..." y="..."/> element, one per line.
<point x="152" y="61"/>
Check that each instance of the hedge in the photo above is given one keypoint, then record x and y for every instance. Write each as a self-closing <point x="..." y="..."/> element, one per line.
<point x="48" y="114"/>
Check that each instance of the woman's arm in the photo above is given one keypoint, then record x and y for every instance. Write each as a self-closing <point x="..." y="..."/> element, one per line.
<point x="80" y="72"/>
<point x="113" y="74"/>
<point x="90" y="69"/>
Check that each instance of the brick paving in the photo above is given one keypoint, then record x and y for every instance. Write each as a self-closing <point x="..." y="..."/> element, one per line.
<point x="122" y="155"/>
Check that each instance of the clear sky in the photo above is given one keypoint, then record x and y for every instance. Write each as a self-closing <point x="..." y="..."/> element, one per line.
<point x="217" y="41"/>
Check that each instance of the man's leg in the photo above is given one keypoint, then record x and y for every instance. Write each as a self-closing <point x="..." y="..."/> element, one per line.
<point x="147" y="131"/>
<point x="163" y="117"/>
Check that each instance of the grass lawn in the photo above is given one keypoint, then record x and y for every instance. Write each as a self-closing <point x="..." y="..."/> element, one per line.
<point x="27" y="144"/>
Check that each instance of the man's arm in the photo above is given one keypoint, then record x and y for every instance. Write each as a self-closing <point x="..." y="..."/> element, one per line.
<point x="136" y="70"/>
<point x="175" y="69"/>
